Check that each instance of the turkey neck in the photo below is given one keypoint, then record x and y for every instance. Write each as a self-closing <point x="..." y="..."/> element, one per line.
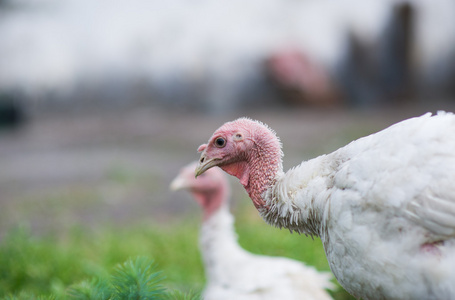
<point x="261" y="166"/>
<point x="218" y="242"/>
<point x="217" y="231"/>
<point x="274" y="193"/>
<point x="212" y="200"/>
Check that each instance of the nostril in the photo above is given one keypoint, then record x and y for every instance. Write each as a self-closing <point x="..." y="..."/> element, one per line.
<point x="202" y="160"/>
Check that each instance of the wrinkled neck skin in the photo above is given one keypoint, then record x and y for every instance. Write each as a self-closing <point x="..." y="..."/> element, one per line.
<point x="258" y="171"/>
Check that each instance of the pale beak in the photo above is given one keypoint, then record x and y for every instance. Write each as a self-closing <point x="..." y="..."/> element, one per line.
<point x="205" y="164"/>
<point x="179" y="183"/>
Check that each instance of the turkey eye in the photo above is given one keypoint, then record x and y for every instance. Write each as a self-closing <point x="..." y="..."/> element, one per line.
<point x="220" y="142"/>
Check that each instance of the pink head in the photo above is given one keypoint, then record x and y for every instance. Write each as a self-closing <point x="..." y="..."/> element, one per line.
<point x="210" y="190"/>
<point x="246" y="149"/>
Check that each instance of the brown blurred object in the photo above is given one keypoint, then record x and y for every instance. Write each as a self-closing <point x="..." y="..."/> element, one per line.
<point x="300" y="80"/>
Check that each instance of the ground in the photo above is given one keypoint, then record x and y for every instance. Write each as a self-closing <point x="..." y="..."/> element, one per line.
<point x="89" y="168"/>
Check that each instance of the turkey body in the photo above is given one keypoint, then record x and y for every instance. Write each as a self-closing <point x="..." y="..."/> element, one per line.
<point x="231" y="271"/>
<point x="383" y="205"/>
<point x="386" y="210"/>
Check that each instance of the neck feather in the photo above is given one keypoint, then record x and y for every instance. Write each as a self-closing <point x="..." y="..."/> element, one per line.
<point x="298" y="199"/>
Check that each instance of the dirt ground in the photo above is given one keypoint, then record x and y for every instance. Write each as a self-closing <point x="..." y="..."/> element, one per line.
<point x="89" y="168"/>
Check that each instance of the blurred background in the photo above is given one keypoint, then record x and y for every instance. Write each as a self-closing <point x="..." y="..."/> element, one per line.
<point x="102" y="102"/>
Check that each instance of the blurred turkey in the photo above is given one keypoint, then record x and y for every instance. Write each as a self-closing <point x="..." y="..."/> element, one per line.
<point x="299" y="79"/>
<point x="232" y="272"/>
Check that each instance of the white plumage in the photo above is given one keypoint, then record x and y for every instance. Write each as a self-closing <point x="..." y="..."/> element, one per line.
<point x="232" y="272"/>
<point x="384" y="205"/>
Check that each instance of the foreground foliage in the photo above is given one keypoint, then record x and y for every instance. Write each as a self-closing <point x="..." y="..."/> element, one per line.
<point x="69" y="267"/>
<point x="105" y="263"/>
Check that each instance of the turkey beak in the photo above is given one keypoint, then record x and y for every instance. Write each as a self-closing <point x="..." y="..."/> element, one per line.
<point x="179" y="183"/>
<point x="204" y="164"/>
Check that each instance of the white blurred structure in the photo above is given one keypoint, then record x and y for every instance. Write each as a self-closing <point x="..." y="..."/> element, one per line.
<point x="209" y="52"/>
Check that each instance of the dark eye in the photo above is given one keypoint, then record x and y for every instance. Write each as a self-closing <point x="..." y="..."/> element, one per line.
<point x="220" y="142"/>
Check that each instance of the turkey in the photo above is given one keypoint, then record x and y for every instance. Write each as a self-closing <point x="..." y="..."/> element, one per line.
<point x="231" y="271"/>
<point x="383" y="206"/>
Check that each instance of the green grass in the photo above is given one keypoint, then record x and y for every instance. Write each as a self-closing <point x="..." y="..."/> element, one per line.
<point x="51" y="264"/>
<point x="48" y="265"/>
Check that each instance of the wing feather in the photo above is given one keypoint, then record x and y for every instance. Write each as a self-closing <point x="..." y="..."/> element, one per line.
<point x="408" y="170"/>
<point x="434" y="212"/>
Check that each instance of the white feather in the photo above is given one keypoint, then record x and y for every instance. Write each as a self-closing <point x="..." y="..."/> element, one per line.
<point x="233" y="273"/>
<point x="376" y="204"/>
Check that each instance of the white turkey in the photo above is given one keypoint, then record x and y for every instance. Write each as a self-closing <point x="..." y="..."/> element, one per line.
<point x="383" y="206"/>
<point x="231" y="271"/>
